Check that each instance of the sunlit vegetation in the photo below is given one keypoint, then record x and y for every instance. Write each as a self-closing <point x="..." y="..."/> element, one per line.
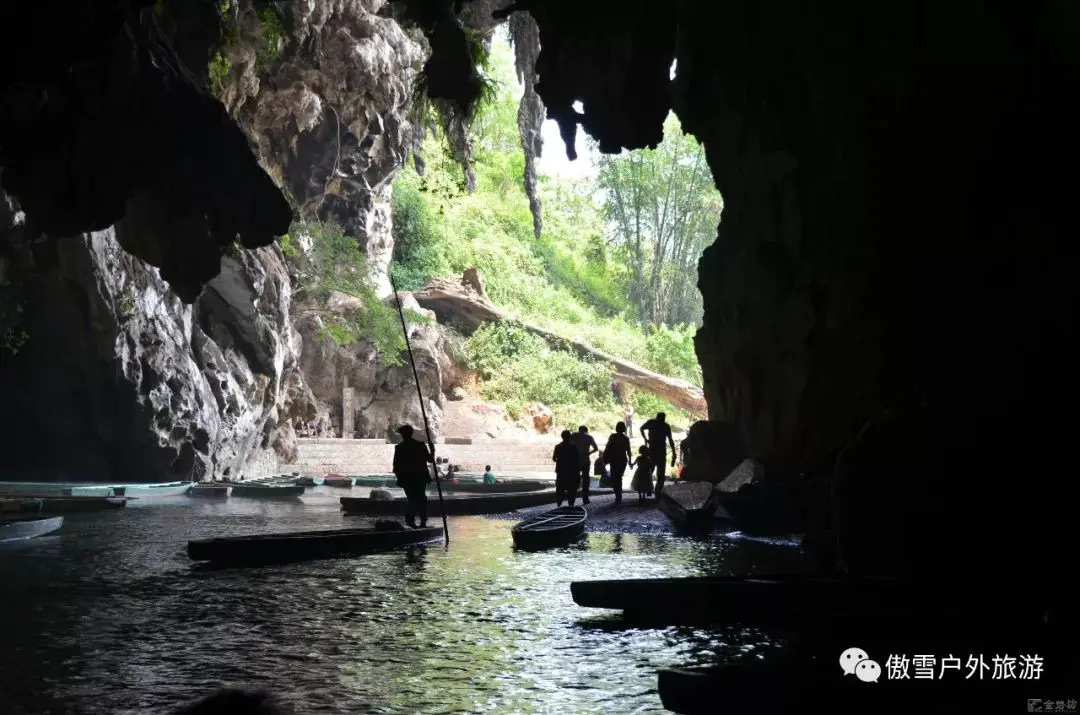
<point x="585" y="278"/>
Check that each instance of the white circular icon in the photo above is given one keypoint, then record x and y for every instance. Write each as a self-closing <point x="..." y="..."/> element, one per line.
<point x="868" y="671"/>
<point x="851" y="658"/>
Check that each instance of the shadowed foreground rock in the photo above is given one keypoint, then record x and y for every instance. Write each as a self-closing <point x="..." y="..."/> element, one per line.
<point x="236" y="702"/>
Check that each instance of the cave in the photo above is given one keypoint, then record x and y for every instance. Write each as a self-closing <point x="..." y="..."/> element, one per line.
<point x="889" y="302"/>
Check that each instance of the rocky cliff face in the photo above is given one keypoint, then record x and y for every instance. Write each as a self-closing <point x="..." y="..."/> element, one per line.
<point x="385" y="395"/>
<point x="117" y="379"/>
<point x="129" y="382"/>
<point x="885" y="294"/>
<point x="327" y="107"/>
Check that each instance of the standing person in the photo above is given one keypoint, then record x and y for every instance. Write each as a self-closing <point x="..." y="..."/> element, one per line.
<point x="489" y="476"/>
<point x="586" y="445"/>
<point x="642" y="481"/>
<point x="629" y="419"/>
<point x="618" y="456"/>
<point x="600" y="469"/>
<point x="411" y="459"/>
<point x="566" y="469"/>
<point x="658" y="430"/>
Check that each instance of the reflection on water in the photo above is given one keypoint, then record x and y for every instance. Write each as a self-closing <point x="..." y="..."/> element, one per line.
<point x="109" y="617"/>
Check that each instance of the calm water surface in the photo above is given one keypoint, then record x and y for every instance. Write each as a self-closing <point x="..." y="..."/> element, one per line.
<point x="110" y="617"/>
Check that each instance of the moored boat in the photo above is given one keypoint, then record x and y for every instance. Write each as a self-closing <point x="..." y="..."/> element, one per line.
<point x="784" y="600"/>
<point x="60" y="489"/>
<point x="209" y="491"/>
<point x="338" y="480"/>
<point x="77" y="505"/>
<point x="257" y="549"/>
<point x="308" y="481"/>
<point x="28" y="528"/>
<point x="456" y="504"/>
<point x="151" y="490"/>
<point x="505" y="487"/>
<point x="801" y="685"/>
<point x="377" y="480"/>
<point x="20" y="505"/>
<point x="557" y="527"/>
<point x="690" y="505"/>
<point x="267" y="491"/>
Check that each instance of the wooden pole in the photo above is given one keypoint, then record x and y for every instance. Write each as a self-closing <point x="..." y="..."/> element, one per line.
<point x="423" y="410"/>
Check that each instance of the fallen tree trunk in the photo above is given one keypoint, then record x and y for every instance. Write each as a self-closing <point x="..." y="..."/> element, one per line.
<point x="459" y="304"/>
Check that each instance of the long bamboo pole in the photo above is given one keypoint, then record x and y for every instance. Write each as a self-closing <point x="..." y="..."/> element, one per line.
<point x="423" y="410"/>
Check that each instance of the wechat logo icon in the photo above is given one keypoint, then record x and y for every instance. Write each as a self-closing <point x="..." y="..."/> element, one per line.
<point x="856" y="661"/>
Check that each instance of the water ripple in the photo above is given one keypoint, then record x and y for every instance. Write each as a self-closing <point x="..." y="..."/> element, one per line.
<point x="110" y="617"/>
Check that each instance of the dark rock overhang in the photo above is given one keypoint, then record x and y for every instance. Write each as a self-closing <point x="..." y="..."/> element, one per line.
<point x="101" y="119"/>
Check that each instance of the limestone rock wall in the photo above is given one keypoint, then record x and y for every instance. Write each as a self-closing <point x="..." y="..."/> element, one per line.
<point x="117" y="379"/>
<point x="327" y="109"/>
<point x="385" y="395"/>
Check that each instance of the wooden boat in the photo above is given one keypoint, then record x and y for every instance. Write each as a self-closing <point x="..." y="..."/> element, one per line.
<point x="209" y="491"/>
<point x="457" y="504"/>
<point x="60" y="489"/>
<point x="28" y="528"/>
<point x="151" y="490"/>
<point x="506" y="487"/>
<point x="786" y="600"/>
<point x="690" y="505"/>
<point x="20" y="505"/>
<point x="306" y="545"/>
<point x="308" y="481"/>
<point x="76" y="505"/>
<point x="801" y="685"/>
<point x="338" y="480"/>
<point x="267" y="491"/>
<point x="557" y="527"/>
<point x="147" y="490"/>
<point x="369" y="480"/>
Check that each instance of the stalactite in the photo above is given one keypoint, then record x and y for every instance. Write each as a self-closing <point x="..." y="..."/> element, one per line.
<point x="525" y="36"/>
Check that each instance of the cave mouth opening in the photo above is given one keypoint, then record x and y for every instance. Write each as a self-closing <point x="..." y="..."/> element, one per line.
<point x="598" y="254"/>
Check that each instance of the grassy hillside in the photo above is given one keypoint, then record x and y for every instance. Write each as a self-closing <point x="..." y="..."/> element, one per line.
<point x="572" y="280"/>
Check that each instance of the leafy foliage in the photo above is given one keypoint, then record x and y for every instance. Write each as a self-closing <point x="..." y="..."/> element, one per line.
<point x="335" y="263"/>
<point x="575" y="280"/>
<point x="663" y="210"/>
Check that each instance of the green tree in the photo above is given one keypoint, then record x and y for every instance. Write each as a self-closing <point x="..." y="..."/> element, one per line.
<point x="663" y="210"/>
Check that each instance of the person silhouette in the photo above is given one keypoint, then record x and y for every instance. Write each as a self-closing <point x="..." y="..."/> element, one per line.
<point x="617" y="455"/>
<point x="586" y="445"/>
<point x="658" y="431"/>
<point x="411" y="459"/>
<point x="567" y="469"/>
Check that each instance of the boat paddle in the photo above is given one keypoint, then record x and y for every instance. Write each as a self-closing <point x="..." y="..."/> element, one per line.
<point x="423" y="410"/>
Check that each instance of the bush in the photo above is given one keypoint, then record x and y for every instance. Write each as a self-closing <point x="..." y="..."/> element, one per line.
<point x="336" y="263"/>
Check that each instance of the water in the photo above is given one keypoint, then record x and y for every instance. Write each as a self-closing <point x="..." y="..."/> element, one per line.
<point x="110" y="617"/>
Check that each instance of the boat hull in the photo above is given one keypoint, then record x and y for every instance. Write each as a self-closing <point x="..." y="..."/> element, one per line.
<point x="308" y="481"/>
<point x="151" y="491"/>
<point x="209" y="491"/>
<point x="796" y="685"/>
<point x="338" y="481"/>
<point x="691" y="506"/>
<point x="20" y="505"/>
<point x="456" y="505"/>
<point x="79" y="505"/>
<point x="795" y="601"/>
<point x="552" y="529"/>
<point x="262" y="549"/>
<point x="253" y="491"/>
<point x="21" y="529"/>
